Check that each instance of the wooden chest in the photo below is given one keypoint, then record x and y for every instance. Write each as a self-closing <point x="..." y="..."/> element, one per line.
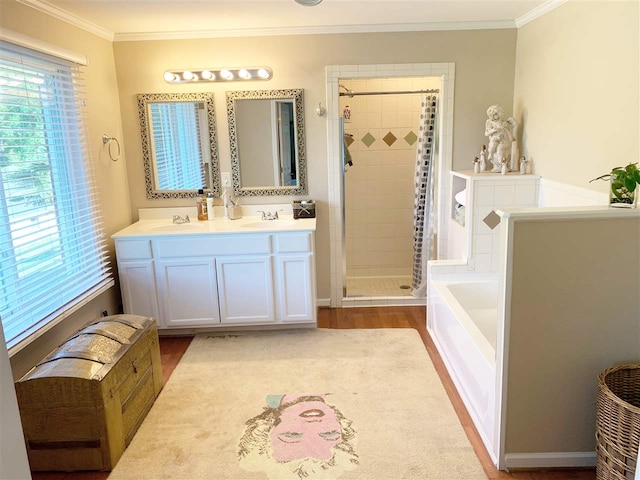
<point x="82" y="404"/>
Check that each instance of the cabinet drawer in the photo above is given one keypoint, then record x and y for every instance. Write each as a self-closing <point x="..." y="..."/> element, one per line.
<point x="215" y="245"/>
<point x="133" y="249"/>
<point x="293" y="243"/>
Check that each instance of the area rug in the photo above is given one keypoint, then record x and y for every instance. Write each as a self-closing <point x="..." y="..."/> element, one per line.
<point x="302" y="405"/>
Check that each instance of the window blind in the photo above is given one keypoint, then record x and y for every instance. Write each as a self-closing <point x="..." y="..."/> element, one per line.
<point x="52" y="247"/>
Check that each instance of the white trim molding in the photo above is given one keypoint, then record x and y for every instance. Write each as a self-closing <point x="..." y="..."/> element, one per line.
<point x="314" y="30"/>
<point x="550" y="460"/>
<point x="69" y="18"/>
<point x="40" y="46"/>
<point x="538" y="12"/>
<point x="323" y="302"/>
<point x="75" y="20"/>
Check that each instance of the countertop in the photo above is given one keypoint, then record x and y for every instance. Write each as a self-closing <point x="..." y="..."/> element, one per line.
<point x="218" y="226"/>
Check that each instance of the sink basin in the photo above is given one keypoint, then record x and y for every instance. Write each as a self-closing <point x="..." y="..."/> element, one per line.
<point x="176" y="227"/>
<point x="269" y="224"/>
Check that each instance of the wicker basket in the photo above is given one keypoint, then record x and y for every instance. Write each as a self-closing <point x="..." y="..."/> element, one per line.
<point x="618" y="422"/>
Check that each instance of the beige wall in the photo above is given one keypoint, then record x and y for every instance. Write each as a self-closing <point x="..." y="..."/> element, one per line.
<point x="575" y="311"/>
<point x="103" y="118"/>
<point x="576" y="90"/>
<point x="485" y="63"/>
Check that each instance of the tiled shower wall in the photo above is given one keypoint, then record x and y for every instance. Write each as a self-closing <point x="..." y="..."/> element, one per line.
<point x="379" y="187"/>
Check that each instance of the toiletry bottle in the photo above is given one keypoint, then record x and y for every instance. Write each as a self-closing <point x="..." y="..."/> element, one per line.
<point x="209" y="202"/>
<point x="202" y="205"/>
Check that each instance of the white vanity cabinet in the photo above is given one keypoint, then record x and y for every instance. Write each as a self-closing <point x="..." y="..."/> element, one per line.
<point x="187" y="291"/>
<point x="246" y="289"/>
<point x="137" y="277"/>
<point x="193" y="281"/>
<point x="296" y="279"/>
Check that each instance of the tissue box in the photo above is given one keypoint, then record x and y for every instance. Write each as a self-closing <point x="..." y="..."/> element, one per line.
<point x="304" y="209"/>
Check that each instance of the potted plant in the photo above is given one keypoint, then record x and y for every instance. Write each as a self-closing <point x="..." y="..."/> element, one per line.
<point x="624" y="183"/>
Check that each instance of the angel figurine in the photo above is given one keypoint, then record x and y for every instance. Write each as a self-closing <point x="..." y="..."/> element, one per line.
<point x="502" y="135"/>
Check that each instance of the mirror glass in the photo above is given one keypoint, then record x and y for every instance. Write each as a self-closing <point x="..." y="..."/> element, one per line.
<point x="179" y="144"/>
<point x="266" y="131"/>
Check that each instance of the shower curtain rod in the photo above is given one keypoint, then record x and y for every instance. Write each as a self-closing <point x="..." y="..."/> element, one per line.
<point x="403" y="92"/>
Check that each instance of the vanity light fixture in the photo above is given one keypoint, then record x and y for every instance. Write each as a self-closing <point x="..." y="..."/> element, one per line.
<point x="218" y="74"/>
<point x="308" y="3"/>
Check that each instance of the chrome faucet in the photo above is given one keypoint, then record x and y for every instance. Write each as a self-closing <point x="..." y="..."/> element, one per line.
<point x="177" y="219"/>
<point x="269" y="215"/>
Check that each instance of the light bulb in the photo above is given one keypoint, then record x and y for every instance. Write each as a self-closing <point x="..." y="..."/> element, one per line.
<point x="226" y="74"/>
<point x="169" y="76"/>
<point x="207" y="75"/>
<point x="244" y="73"/>
<point x="263" y="73"/>
<point x="187" y="75"/>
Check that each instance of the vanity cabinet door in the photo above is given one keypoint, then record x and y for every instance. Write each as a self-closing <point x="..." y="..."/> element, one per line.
<point x="187" y="292"/>
<point x="296" y="300"/>
<point x="245" y="288"/>
<point x="138" y="287"/>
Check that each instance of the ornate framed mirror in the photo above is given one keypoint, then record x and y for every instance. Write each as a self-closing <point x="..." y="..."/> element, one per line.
<point x="266" y="134"/>
<point x="179" y="144"/>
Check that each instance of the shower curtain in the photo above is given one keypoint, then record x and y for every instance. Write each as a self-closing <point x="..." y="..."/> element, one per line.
<point x="423" y="213"/>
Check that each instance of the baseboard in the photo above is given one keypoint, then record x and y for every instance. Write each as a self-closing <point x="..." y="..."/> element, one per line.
<point x="323" y="302"/>
<point x="550" y="460"/>
<point x="395" y="301"/>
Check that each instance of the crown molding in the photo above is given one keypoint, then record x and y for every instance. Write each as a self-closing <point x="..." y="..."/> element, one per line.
<point x="539" y="11"/>
<point x="315" y="30"/>
<point x="70" y="18"/>
<point x="102" y="32"/>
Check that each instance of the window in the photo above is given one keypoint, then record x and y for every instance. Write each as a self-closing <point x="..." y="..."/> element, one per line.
<point x="52" y="249"/>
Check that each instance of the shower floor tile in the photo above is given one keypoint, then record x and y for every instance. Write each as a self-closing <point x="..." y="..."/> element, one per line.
<point x="378" y="286"/>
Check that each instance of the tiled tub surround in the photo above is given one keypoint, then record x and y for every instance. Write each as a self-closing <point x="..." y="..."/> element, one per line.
<point x="379" y="187"/>
<point x="477" y="242"/>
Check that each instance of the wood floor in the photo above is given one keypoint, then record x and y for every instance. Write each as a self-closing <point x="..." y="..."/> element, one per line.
<point x="172" y="349"/>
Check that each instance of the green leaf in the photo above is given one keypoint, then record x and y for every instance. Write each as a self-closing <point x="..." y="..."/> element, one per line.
<point x="630" y="183"/>
<point x="636" y="175"/>
<point x="617" y="185"/>
<point x="618" y="171"/>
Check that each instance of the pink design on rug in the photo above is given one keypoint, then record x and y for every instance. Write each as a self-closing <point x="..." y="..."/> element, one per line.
<point x="307" y="428"/>
<point x="301" y="434"/>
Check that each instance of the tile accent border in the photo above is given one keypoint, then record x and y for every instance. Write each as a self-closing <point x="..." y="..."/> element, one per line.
<point x="446" y="73"/>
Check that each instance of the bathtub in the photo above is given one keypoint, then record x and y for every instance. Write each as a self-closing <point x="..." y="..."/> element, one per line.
<point x="462" y="312"/>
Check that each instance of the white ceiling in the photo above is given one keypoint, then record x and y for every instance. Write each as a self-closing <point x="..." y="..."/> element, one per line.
<point x="148" y="19"/>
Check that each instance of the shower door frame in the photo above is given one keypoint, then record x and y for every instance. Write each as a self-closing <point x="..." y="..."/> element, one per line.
<point x="334" y="73"/>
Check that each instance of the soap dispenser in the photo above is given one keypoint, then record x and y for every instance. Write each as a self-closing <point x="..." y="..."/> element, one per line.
<point x="202" y="205"/>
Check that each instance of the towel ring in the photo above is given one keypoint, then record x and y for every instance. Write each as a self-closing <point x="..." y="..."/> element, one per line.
<point x="107" y="139"/>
